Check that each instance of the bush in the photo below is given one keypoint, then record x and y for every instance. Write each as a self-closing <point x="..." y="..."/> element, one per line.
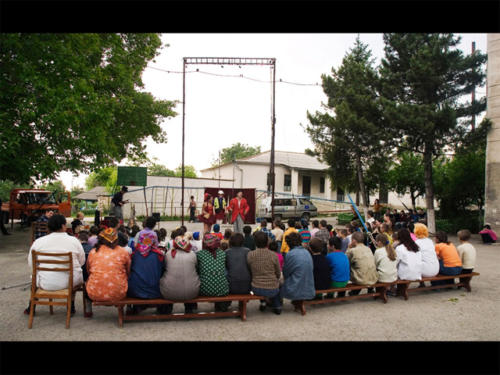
<point x="471" y="220"/>
<point x="344" y="218"/>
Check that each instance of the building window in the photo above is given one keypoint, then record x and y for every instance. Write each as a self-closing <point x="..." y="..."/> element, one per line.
<point x="321" y="184"/>
<point x="288" y="183"/>
<point x="340" y="194"/>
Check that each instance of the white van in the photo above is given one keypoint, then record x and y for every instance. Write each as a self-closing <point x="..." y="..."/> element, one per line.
<point x="287" y="208"/>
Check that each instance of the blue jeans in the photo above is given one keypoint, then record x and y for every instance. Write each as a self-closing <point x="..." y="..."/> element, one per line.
<point x="273" y="294"/>
<point x="447" y="271"/>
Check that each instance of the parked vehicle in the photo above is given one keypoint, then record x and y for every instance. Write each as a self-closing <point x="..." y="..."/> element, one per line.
<point x="27" y="204"/>
<point x="287" y="208"/>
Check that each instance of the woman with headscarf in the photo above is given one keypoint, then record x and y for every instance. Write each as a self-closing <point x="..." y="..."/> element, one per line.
<point x="180" y="281"/>
<point x="207" y="216"/>
<point x="430" y="262"/>
<point x="108" y="266"/>
<point x="147" y="269"/>
<point x="212" y="270"/>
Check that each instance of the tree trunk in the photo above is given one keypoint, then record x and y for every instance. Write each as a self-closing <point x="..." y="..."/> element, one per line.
<point x="361" y="182"/>
<point x="429" y="188"/>
<point x="413" y="200"/>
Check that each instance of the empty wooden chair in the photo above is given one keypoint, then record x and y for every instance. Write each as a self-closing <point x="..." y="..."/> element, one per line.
<point x="47" y="297"/>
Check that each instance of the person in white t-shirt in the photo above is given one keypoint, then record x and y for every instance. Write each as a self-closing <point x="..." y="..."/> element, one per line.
<point x="409" y="257"/>
<point x="58" y="241"/>
<point x="466" y="251"/>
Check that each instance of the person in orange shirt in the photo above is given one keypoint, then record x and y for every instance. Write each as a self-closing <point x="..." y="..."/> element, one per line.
<point x="449" y="259"/>
<point x="291" y="228"/>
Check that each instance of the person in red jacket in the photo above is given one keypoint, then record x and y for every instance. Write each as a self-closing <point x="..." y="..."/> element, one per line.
<point x="239" y="208"/>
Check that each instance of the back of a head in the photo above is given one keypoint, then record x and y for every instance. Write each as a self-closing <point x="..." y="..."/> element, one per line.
<point x="442" y="237"/>
<point x="216" y="228"/>
<point x="316" y="223"/>
<point x="94" y="230"/>
<point x="335" y="242"/>
<point x="291" y="223"/>
<point x="236" y="240"/>
<point x="263" y="223"/>
<point x="420" y="230"/>
<point x="359" y="237"/>
<point x="405" y="239"/>
<point x="464" y="235"/>
<point x="344" y="232"/>
<point x="227" y="233"/>
<point x="323" y="223"/>
<point x="329" y="227"/>
<point x="349" y="228"/>
<point x="163" y="234"/>
<point x="83" y="237"/>
<point x="298" y="225"/>
<point x="56" y="222"/>
<point x="316" y="245"/>
<point x="184" y="229"/>
<point x="113" y="222"/>
<point x="273" y="246"/>
<point x="293" y="240"/>
<point x="150" y="222"/>
<point x="261" y="239"/>
<point x="247" y="229"/>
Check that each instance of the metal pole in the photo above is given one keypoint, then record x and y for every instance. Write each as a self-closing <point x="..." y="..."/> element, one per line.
<point x="473" y="91"/>
<point x="272" y="138"/>
<point x="183" y="121"/>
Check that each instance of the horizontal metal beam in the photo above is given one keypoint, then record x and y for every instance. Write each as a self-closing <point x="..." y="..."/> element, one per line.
<point x="230" y="60"/>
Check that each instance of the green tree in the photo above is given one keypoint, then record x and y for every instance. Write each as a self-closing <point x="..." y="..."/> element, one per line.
<point x="407" y="176"/>
<point x="100" y="177"/>
<point x="75" y="102"/>
<point x="347" y="137"/>
<point x="6" y="186"/>
<point x="160" y="170"/>
<point x="234" y="152"/>
<point x="189" y="171"/>
<point x="424" y="76"/>
<point x="460" y="181"/>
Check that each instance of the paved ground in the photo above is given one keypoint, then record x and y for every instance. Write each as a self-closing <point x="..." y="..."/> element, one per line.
<point x="452" y="315"/>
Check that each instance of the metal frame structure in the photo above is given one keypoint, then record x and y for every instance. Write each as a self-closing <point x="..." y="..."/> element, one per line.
<point x="231" y="61"/>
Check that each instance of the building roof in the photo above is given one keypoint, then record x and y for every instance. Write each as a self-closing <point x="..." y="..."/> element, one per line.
<point x="289" y="159"/>
<point x="92" y="194"/>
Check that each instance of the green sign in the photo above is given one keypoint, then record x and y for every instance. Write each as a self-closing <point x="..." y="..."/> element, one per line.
<point x="132" y="176"/>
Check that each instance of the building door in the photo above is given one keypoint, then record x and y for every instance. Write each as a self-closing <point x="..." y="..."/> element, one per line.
<point x="306" y="185"/>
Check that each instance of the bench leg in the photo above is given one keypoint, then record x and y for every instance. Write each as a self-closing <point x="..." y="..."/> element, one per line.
<point x="466" y="281"/>
<point x="383" y="293"/>
<point x="243" y="310"/>
<point x="120" y="316"/>
<point x="403" y="290"/>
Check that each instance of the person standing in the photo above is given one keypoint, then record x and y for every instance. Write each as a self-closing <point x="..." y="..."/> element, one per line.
<point x="192" y="209"/>
<point x="118" y="202"/>
<point x="207" y="216"/>
<point x="2" y="216"/>
<point x="220" y="206"/>
<point x="239" y="209"/>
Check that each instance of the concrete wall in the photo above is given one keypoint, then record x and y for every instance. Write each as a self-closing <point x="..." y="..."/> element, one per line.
<point x="492" y="188"/>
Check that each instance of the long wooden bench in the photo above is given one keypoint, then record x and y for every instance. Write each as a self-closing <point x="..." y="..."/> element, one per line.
<point x="242" y="300"/>
<point x="403" y="286"/>
<point x="380" y="292"/>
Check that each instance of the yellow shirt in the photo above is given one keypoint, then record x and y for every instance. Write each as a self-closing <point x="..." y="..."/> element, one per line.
<point x="284" y="246"/>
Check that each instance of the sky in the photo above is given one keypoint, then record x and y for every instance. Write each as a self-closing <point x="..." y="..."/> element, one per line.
<point x="221" y="111"/>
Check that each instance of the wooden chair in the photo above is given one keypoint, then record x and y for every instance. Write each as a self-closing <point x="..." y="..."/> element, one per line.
<point x="38" y="227"/>
<point x="39" y="296"/>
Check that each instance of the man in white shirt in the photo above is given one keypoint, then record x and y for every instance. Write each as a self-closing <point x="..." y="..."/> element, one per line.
<point x="58" y="241"/>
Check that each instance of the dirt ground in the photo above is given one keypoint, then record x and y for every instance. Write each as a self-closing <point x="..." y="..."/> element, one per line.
<point x="451" y="315"/>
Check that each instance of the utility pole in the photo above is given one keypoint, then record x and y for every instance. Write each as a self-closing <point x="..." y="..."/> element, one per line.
<point x="273" y="126"/>
<point x="183" y="120"/>
<point x="473" y="99"/>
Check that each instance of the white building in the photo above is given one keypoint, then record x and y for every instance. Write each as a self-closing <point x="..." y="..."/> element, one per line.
<point x="296" y="173"/>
